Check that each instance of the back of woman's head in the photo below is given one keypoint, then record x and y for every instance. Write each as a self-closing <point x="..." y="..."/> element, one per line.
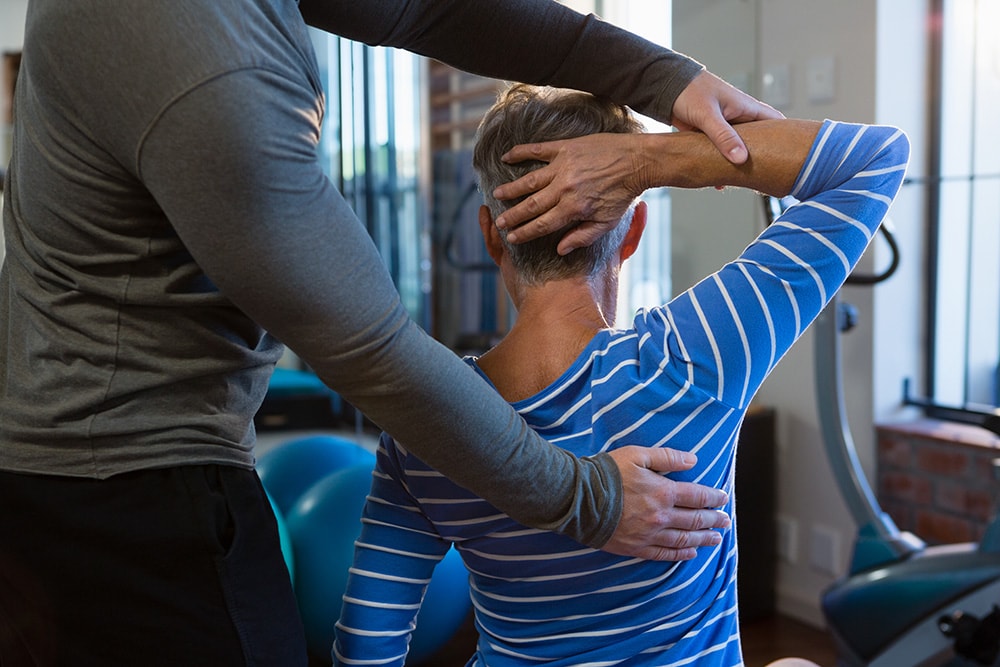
<point x="526" y="114"/>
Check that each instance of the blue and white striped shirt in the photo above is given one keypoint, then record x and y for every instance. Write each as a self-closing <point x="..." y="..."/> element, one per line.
<point x="683" y="375"/>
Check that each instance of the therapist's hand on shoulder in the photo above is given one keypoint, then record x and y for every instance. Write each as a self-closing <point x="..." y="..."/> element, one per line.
<point x="663" y="519"/>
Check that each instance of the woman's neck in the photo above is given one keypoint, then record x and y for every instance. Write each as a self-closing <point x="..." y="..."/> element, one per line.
<point x="555" y="323"/>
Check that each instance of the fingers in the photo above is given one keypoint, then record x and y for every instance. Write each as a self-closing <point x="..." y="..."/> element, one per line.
<point x="531" y="219"/>
<point x="529" y="183"/>
<point x="547" y="212"/>
<point x="667" y="544"/>
<point x="582" y="236"/>
<point x="757" y="110"/>
<point x="663" y="519"/>
<point x="685" y="496"/>
<point x="684" y="545"/>
<point x="585" y="187"/>
<point x="710" y="105"/>
<point x="697" y="496"/>
<point x="543" y="152"/>
<point x="735" y="107"/>
<point x="725" y="139"/>
<point x="550" y="210"/>
<point x="659" y="459"/>
<point x="690" y="522"/>
<point x="536" y="208"/>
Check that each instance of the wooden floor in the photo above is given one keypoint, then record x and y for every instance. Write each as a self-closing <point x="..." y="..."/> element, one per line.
<point x="782" y="637"/>
<point x="764" y="640"/>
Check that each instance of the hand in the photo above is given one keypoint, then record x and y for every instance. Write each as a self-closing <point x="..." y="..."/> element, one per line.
<point x="663" y="519"/>
<point x="711" y="105"/>
<point x="589" y="180"/>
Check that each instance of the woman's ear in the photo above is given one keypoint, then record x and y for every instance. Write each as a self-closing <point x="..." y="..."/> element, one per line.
<point x="491" y="235"/>
<point x="635" y="230"/>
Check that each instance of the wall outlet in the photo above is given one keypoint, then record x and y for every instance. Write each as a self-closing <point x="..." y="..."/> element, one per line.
<point x="777" y="82"/>
<point x="821" y="74"/>
<point x="824" y="550"/>
<point x="788" y="539"/>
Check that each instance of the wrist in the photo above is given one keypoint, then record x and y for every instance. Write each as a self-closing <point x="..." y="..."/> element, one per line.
<point x="675" y="159"/>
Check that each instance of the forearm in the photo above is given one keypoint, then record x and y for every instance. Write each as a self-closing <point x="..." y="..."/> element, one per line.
<point x="533" y="41"/>
<point x="778" y="149"/>
<point x="764" y="300"/>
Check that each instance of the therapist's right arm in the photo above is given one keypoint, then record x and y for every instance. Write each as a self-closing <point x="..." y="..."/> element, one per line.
<point x="235" y="171"/>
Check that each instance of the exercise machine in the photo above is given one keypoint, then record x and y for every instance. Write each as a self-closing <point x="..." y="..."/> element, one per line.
<point x="902" y="603"/>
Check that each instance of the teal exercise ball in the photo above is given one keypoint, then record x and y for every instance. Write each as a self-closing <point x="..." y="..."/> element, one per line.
<point x="289" y="469"/>
<point x="324" y="524"/>
<point x="284" y="537"/>
<point x="446" y="606"/>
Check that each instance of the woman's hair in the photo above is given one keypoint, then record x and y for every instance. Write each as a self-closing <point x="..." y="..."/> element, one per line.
<point x="526" y="114"/>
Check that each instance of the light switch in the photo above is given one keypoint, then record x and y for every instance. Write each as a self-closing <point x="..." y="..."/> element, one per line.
<point x="820" y="79"/>
<point x="778" y="85"/>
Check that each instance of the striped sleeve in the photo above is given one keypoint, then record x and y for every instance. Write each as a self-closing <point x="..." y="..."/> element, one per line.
<point x="394" y="558"/>
<point x="726" y="333"/>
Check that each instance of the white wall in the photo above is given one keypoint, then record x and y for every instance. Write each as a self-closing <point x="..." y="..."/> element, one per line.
<point x="880" y="74"/>
<point x="901" y="88"/>
<point x="877" y="50"/>
<point x="12" y="14"/>
<point x="12" y="24"/>
<point x="721" y="35"/>
<point x="791" y="33"/>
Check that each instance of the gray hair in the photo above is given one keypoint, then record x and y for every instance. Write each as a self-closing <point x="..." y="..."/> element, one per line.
<point x="526" y="114"/>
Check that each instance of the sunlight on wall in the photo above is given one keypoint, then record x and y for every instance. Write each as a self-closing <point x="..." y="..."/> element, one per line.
<point x="645" y="278"/>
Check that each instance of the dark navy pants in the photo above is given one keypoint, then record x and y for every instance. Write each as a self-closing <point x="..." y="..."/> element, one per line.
<point x="179" y="566"/>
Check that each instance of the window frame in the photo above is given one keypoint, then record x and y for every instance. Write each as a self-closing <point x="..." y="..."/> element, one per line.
<point x="950" y="340"/>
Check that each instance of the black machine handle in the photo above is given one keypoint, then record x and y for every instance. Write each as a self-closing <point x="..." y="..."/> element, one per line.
<point x="977" y="639"/>
<point x="774" y="207"/>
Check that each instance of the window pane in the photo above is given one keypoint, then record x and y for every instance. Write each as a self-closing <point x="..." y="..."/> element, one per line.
<point x="370" y="148"/>
<point x="967" y="310"/>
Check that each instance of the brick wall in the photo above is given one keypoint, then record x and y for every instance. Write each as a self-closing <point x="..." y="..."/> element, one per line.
<point x="936" y="479"/>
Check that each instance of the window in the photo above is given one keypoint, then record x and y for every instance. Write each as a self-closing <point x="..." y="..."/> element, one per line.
<point x="371" y="149"/>
<point x="963" y="327"/>
<point x="645" y="278"/>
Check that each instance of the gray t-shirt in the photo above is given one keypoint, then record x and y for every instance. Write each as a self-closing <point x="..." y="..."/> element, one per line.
<point x="167" y="222"/>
